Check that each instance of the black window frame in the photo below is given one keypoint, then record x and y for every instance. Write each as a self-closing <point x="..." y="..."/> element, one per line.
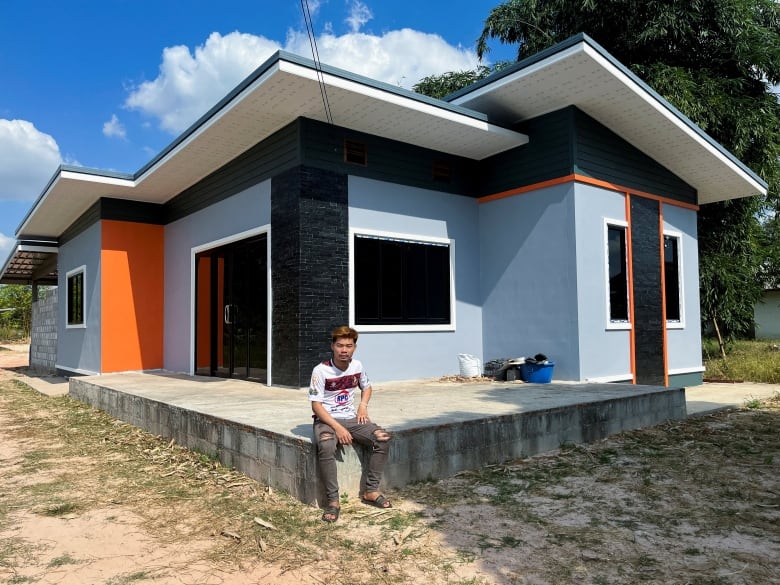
<point x="75" y="298"/>
<point x="672" y="265"/>
<point x="402" y="282"/>
<point x="618" y="304"/>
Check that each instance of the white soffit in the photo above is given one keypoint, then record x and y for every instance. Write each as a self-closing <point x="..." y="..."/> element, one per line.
<point x="582" y="76"/>
<point x="284" y="91"/>
<point x="290" y="90"/>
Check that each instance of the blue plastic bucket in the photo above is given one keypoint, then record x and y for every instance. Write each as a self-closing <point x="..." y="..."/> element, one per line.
<point x="537" y="373"/>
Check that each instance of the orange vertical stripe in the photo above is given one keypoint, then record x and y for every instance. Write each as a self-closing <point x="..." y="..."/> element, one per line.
<point x="630" y="260"/>
<point x="131" y="284"/>
<point x="663" y="293"/>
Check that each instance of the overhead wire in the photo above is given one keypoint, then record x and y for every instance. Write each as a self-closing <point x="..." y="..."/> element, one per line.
<point x="316" y="57"/>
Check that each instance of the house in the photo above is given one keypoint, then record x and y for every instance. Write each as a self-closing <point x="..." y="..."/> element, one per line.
<point x="549" y="208"/>
<point x="766" y="314"/>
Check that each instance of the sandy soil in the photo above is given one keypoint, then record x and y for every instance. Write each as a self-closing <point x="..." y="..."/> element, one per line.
<point x="107" y="546"/>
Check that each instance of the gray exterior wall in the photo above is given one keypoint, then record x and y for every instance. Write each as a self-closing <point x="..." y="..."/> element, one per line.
<point x="374" y="205"/>
<point x="249" y="209"/>
<point x="43" y="337"/>
<point x="684" y="343"/>
<point x="596" y="340"/>
<point x="78" y="349"/>
<point x="529" y="278"/>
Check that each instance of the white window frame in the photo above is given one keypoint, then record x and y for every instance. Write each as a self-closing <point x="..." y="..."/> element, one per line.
<point x="610" y="323"/>
<point x="675" y="324"/>
<point x="415" y="238"/>
<point x="83" y="270"/>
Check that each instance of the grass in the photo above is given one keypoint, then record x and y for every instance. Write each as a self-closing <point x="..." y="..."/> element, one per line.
<point x="746" y="360"/>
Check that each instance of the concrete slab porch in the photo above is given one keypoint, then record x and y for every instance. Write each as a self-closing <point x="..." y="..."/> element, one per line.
<point x="439" y="428"/>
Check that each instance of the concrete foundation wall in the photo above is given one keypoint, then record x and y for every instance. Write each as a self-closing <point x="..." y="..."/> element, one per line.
<point x="416" y="454"/>
<point x="43" y="336"/>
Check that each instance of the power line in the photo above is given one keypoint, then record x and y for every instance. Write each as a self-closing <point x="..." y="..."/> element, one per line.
<point x="316" y="56"/>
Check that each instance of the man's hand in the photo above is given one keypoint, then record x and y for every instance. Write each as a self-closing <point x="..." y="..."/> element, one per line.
<point x="362" y="414"/>
<point x="343" y="436"/>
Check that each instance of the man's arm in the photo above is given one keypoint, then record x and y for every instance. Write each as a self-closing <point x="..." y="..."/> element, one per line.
<point x="362" y="409"/>
<point x="343" y="436"/>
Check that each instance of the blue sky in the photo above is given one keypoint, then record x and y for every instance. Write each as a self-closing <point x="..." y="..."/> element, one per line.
<point x="107" y="84"/>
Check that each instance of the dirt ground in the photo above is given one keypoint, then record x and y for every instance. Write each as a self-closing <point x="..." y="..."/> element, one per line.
<point x="88" y="500"/>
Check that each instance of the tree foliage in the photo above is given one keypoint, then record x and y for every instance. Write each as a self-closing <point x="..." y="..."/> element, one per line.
<point x="18" y="298"/>
<point x="439" y="86"/>
<point x="716" y="61"/>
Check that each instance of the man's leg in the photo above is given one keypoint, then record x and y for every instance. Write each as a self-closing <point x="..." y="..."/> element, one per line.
<point x="325" y="439"/>
<point x="379" y="440"/>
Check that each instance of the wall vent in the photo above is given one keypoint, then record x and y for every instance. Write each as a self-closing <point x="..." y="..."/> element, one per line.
<point x="441" y="171"/>
<point x="355" y="153"/>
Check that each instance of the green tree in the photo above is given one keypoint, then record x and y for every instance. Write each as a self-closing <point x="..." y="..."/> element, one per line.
<point x="715" y="60"/>
<point x="438" y="86"/>
<point x="18" y="298"/>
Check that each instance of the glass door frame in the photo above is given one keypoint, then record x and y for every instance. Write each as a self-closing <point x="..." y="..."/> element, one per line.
<point x="213" y="245"/>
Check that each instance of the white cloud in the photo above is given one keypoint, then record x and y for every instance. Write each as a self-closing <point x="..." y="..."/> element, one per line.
<point x="400" y="57"/>
<point x="189" y="84"/>
<point x="114" y="128"/>
<point x="28" y="159"/>
<point x="359" y="14"/>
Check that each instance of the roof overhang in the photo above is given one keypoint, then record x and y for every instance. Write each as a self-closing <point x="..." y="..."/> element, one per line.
<point x="282" y="90"/>
<point x="31" y="261"/>
<point x="581" y="73"/>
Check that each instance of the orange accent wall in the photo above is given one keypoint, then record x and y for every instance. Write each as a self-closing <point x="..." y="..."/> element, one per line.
<point x="132" y="295"/>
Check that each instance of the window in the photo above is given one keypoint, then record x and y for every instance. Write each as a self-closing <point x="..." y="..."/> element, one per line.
<point x="672" y="278"/>
<point x="617" y="273"/>
<point x="401" y="282"/>
<point x="75" y="299"/>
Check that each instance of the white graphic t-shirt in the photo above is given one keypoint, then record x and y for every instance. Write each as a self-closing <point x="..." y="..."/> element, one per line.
<point x="335" y="388"/>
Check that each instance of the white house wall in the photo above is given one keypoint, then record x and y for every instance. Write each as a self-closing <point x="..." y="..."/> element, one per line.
<point x="684" y="343"/>
<point x="605" y="353"/>
<point x="78" y="348"/>
<point x="386" y="207"/>
<point x="767" y="315"/>
<point x="528" y="278"/>
<point x="244" y="211"/>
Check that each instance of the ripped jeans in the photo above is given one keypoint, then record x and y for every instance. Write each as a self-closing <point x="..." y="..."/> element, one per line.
<point x="364" y="434"/>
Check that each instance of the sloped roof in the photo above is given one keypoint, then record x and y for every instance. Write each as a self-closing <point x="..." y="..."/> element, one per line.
<point x="473" y="123"/>
<point x="580" y="72"/>
<point x="283" y="89"/>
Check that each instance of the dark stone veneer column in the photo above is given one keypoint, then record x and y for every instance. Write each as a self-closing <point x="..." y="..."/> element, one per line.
<point x="648" y="309"/>
<point x="309" y="268"/>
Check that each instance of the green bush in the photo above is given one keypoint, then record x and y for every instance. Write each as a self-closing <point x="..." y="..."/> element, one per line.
<point x="746" y="360"/>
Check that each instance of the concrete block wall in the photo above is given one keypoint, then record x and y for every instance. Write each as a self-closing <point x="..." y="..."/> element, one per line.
<point x="289" y="463"/>
<point x="43" y="334"/>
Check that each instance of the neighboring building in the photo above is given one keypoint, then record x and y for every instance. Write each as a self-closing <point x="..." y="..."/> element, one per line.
<point x="766" y="314"/>
<point x="550" y="208"/>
